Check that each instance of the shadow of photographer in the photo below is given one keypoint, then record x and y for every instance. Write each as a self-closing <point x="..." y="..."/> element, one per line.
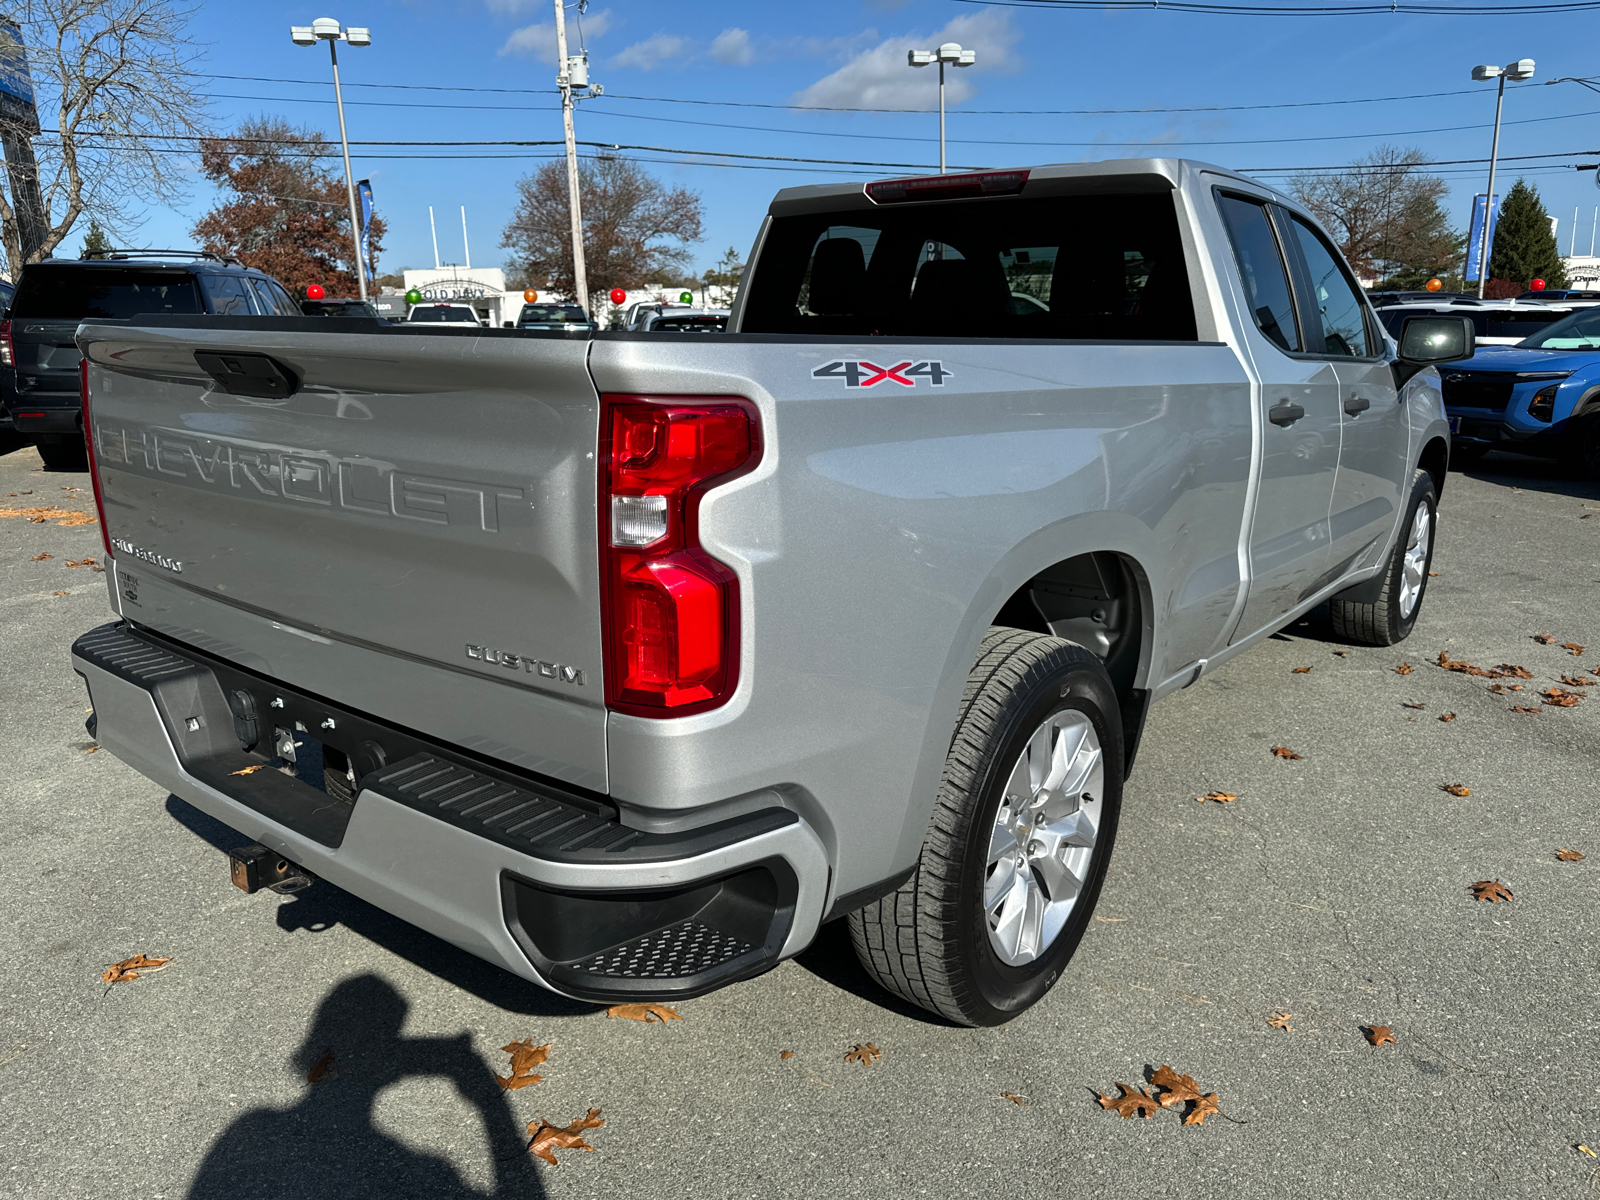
<point x="328" y="1145"/>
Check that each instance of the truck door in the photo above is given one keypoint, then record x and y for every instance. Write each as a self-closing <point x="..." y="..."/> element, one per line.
<point x="1299" y="402"/>
<point x="1374" y="453"/>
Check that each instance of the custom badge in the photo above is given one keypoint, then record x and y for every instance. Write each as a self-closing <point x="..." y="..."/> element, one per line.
<point x="864" y="374"/>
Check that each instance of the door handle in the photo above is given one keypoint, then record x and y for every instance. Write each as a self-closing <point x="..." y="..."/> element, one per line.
<point x="1355" y="405"/>
<point x="1284" y="413"/>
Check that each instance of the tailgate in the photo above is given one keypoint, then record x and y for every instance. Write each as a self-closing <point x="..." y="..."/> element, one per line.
<point x="410" y="533"/>
<point x="47" y="358"/>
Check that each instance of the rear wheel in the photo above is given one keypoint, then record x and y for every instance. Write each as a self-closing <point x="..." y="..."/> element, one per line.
<point x="1388" y="617"/>
<point x="1019" y="841"/>
<point x="67" y="454"/>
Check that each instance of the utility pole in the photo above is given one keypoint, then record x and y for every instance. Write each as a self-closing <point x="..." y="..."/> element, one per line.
<point x="580" y="276"/>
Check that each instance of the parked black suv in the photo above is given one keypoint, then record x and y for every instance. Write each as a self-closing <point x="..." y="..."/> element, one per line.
<point x="39" y="359"/>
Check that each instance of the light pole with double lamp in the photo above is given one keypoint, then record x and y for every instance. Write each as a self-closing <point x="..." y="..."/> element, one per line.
<point x="952" y="53"/>
<point x="326" y="29"/>
<point x="1517" y="72"/>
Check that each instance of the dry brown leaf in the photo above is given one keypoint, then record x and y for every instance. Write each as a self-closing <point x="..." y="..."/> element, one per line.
<point x="98" y="570"/>
<point x="247" y="770"/>
<point x="1524" y="709"/>
<point x="1566" y="855"/>
<point x="1219" y="797"/>
<point x="548" y="1138"/>
<point x="864" y="1053"/>
<point x="1205" y="1106"/>
<point x="1580" y="681"/>
<point x="644" y="1012"/>
<point x="1013" y="1097"/>
<point x="1491" y="890"/>
<point x="42" y="557"/>
<point x="58" y="593"/>
<point x="1561" y="698"/>
<point x="1544" y="639"/>
<point x="1280" y="1020"/>
<point x="1515" y="671"/>
<point x="1133" y="1101"/>
<point x="1403" y="669"/>
<point x="525" y="1056"/>
<point x="91" y="749"/>
<point x="1179" y="1089"/>
<point x="1378" y="1034"/>
<point x="1574" y="649"/>
<point x="1411" y="704"/>
<point x="1456" y="789"/>
<point x="129" y="968"/>
<point x="1462" y="666"/>
<point x="77" y="518"/>
<point x="1341" y="654"/>
<point x="39" y="514"/>
<point x="1285" y="752"/>
<point x="1433" y="574"/>
<point x="323" y="1068"/>
<point x="1447" y="716"/>
<point x="1301" y="671"/>
<point x="785" y="1055"/>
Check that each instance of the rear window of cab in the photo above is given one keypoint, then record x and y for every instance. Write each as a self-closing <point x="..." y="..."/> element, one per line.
<point x="50" y="292"/>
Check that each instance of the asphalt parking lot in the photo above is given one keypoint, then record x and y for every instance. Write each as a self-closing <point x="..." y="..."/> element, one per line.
<point x="1334" y="888"/>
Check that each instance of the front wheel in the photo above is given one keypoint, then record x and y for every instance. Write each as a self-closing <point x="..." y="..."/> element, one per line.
<point x="1019" y="841"/>
<point x="1383" y="610"/>
<point x="65" y="454"/>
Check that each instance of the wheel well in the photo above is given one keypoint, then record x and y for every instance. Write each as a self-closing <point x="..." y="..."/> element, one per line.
<point x="1092" y="599"/>
<point x="1435" y="457"/>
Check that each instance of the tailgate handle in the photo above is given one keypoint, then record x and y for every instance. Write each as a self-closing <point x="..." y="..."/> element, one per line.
<point x="243" y="374"/>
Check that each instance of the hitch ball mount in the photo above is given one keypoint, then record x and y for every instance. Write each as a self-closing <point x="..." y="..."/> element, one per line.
<point x="254" y="867"/>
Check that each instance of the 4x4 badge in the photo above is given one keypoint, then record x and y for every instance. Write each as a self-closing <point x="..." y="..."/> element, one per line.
<point x="865" y="374"/>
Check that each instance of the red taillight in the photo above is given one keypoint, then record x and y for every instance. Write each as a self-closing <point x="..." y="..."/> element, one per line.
<point x="947" y="187"/>
<point x="88" y="443"/>
<point x="8" y="351"/>
<point x="671" y="625"/>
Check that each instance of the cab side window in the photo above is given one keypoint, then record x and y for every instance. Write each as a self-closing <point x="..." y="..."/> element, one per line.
<point x="1336" y="299"/>
<point x="1261" y="266"/>
<point x="274" y="301"/>
<point x="227" y="295"/>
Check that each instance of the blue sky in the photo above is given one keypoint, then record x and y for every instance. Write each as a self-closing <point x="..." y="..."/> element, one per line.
<point x="670" y="71"/>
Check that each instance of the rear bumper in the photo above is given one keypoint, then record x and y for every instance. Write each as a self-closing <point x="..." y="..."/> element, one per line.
<point x="539" y="880"/>
<point x="49" y="412"/>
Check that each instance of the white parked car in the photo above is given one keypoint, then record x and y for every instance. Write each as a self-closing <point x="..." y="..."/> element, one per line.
<point x="682" y="319"/>
<point x="1494" y="322"/>
<point x="442" y="312"/>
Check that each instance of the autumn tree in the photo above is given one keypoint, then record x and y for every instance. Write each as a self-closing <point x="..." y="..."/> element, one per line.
<point x="1524" y="247"/>
<point x="114" y="83"/>
<point x="635" y="228"/>
<point x="1384" y="212"/>
<point x="284" y="209"/>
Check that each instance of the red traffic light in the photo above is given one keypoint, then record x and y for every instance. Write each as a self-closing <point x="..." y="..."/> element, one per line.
<point x="315" y="292"/>
<point x="1537" y="285"/>
<point x="618" y="295"/>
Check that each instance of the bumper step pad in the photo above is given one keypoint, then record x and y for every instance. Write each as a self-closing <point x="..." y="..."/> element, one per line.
<point x="685" y="949"/>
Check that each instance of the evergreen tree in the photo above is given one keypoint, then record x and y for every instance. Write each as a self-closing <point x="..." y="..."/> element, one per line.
<point x="1524" y="247"/>
<point x="94" y="240"/>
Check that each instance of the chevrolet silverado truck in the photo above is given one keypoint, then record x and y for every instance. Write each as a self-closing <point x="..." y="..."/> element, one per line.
<point x="624" y="662"/>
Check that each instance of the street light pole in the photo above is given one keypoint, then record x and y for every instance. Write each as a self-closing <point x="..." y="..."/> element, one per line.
<point x="326" y="29"/>
<point x="1519" y="70"/>
<point x="950" y="52"/>
<point x="580" y="276"/>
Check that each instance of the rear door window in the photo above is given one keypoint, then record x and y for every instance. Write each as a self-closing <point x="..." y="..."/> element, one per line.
<point x="1079" y="267"/>
<point x="1334" y="297"/>
<point x="60" y="292"/>
<point x="228" y="295"/>
<point x="1261" y="266"/>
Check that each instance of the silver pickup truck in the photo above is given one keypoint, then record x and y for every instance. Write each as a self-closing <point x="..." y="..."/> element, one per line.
<point x="625" y="661"/>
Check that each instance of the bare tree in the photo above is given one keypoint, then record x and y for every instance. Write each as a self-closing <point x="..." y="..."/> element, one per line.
<point x="115" y="79"/>
<point x="1384" y="211"/>
<point x="635" y="229"/>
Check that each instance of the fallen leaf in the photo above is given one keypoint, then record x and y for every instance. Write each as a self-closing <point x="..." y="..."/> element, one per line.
<point x="247" y="770"/>
<point x="1280" y="1020"/>
<point x="1566" y="855"/>
<point x="1578" y="681"/>
<point x="1433" y="574"/>
<point x="785" y="1055"/>
<point x="1447" y="716"/>
<point x="1301" y="671"/>
<point x="58" y="593"/>
<point x="129" y="968"/>
<point x="1464" y="667"/>
<point x="1378" y="1034"/>
<point x="91" y="749"/>
<point x="644" y="1012"/>
<point x="1132" y="1101"/>
<point x="525" y="1056"/>
<point x="1411" y="704"/>
<point x="864" y="1053"/>
<point x="42" y="557"/>
<point x="98" y="570"/>
<point x="1523" y="709"/>
<point x="1403" y="669"/>
<point x="1013" y="1097"/>
<point x="1585" y="516"/>
<point x="1341" y="654"/>
<point x="77" y="518"/>
<point x="1574" y="649"/>
<point x="1179" y="1089"/>
<point x="1515" y="671"/>
<point x="1204" y="1107"/>
<point x="1491" y="890"/>
<point x="73" y="563"/>
<point x="1544" y="639"/>
<point x="1456" y="789"/>
<point x="39" y="514"/>
<point x="1285" y="752"/>
<point x="1561" y="698"/>
<point x="1219" y="797"/>
<point x="548" y="1138"/>
<point x="322" y="1068"/>
<point x="1587" y="1151"/>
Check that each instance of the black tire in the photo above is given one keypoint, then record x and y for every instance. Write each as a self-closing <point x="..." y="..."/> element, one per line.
<point x="69" y="454"/>
<point x="1583" y="454"/>
<point x="335" y="778"/>
<point x="929" y="941"/>
<point x="1371" y="613"/>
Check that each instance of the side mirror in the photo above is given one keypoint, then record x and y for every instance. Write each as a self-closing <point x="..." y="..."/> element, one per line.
<point x="1428" y="340"/>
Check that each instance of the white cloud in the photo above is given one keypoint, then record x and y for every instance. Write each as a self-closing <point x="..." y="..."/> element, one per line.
<point x="654" y="51"/>
<point x="880" y="77"/>
<point x="539" y="41"/>
<point x="732" y="48"/>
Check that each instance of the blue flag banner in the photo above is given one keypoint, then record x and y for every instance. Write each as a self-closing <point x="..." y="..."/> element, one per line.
<point x="364" y="194"/>
<point x="1475" y="239"/>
